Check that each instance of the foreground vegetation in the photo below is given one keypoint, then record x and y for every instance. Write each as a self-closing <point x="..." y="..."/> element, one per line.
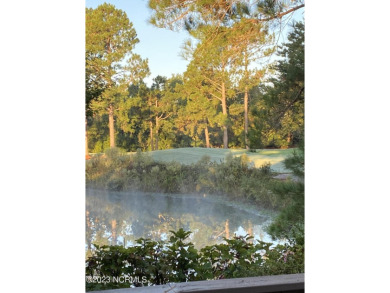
<point x="177" y="260"/>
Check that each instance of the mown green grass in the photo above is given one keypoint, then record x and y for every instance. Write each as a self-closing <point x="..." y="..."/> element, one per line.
<point x="192" y="155"/>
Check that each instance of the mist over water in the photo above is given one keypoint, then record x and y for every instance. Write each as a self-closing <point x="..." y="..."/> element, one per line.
<point x="118" y="218"/>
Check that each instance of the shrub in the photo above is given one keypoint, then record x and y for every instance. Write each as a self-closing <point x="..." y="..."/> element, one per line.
<point x="178" y="261"/>
<point x="265" y="169"/>
<point x="115" y="184"/>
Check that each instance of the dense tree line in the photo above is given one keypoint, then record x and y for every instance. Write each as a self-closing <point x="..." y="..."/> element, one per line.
<point x="221" y="100"/>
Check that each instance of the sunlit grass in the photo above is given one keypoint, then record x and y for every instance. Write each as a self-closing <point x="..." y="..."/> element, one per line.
<point x="193" y="155"/>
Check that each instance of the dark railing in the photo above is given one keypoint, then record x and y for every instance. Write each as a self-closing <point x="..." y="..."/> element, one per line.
<point x="266" y="284"/>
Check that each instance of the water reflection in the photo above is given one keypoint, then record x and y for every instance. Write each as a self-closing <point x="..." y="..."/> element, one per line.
<point x="118" y="218"/>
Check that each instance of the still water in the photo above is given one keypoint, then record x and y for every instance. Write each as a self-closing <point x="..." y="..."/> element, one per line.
<point x="118" y="218"/>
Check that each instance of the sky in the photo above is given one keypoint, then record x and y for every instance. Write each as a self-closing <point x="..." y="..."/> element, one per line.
<point x="160" y="46"/>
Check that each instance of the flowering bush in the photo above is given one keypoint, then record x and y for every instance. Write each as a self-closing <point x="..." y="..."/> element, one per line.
<point x="153" y="263"/>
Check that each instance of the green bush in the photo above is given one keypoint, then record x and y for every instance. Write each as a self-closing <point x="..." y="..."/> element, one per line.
<point x="154" y="263"/>
<point x="291" y="193"/>
<point x="115" y="184"/>
<point x="266" y="169"/>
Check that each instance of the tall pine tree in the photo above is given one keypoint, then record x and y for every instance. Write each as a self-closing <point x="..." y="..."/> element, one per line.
<point x="110" y="40"/>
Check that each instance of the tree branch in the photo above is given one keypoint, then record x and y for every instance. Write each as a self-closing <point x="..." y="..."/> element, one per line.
<point x="279" y="15"/>
<point x="215" y="96"/>
<point x="290" y="105"/>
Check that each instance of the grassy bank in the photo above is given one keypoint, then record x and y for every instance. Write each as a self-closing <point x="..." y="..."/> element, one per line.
<point x="192" y="155"/>
<point x="258" y="158"/>
<point x="177" y="171"/>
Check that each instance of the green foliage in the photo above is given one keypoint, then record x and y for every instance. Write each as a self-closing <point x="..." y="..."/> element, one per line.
<point x="98" y="138"/>
<point x="279" y="112"/>
<point x="296" y="162"/>
<point x="110" y="62"/>
<point x="178" y="14"/>
<point x="178" y="261"/>
<point x="107" y="170"/>
<point x="181" y="256"/>
<point x="290" y="221"/>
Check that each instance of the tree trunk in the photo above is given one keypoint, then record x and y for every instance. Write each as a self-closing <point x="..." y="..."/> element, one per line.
<point x="224" y="112"/>
<point x="88" y="220"/>
<point x="206" y="134"/>
<point x="88" y="229"/>
<point x="250" y="228"/>
<point x="227" y="229"/>
<point x="151" y="136"/>
<point x="156" y="138"/>
<point x="289" y="140"/>
<point x="111" y="126"/>
<point x="246" y="118"/>
<point x="87" y="156"/>
<point x="113" y="230"/>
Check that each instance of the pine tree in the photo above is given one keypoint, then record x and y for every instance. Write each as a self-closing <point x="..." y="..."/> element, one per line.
<point x="280" y="112"/>
<point x="290" y="221"/>
<point x="110" y="39"/>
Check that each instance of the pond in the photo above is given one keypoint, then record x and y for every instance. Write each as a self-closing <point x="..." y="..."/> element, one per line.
<point x="118" y="218"/>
